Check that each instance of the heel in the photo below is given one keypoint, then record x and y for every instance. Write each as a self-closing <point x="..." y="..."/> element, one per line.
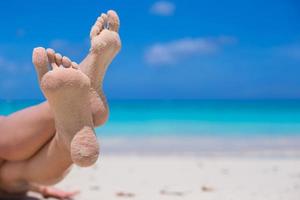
<point x="85" y="147"/>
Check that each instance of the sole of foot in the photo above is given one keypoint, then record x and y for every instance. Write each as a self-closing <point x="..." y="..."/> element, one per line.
<point x="67" y="91"/>
<point x="105" y="45"/>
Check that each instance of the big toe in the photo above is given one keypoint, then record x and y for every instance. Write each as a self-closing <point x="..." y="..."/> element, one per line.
<point x="40" y="61"/>
<point x="113" y="21"/>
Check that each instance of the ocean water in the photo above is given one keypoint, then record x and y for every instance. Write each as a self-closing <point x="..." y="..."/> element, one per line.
<point x="226" y="118"/>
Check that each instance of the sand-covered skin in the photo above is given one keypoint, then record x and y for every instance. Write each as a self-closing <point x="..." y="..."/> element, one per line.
<point x="67" y="91"/>
<point x="105" y="45"/>
<point x="187" y="177"/>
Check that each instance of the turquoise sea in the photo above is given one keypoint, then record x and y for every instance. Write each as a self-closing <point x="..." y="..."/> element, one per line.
<point x="226" y="118"/>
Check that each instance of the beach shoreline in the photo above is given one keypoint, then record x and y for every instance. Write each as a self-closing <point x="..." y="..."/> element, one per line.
<point x="263" y="146"/>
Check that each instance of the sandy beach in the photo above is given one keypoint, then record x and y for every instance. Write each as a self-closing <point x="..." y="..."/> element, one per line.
<point x="169" y="176"/>
<point x="189" y="100"/>
<point x="155" y="177"/>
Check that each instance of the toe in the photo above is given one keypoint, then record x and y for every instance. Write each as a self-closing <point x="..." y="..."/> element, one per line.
<point x="98" y="26"/>
<point x="101" y="20"/>
<point x="74" y="65"/>
<point x="66" y="62"/>
<point x="104" y="18"/>
<point x="51" y="58"/>
<point x="58" y="59"/>
<point x="40" y="61"/>
<point x="94" y="31"/>
<point x="113" y="21"/>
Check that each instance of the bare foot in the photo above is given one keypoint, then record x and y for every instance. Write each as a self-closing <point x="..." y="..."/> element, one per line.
<point x="59" y="194"/>
<point x="67" y="91"/>
<point x="105" y="44"/>
<point x="50" y="192"/>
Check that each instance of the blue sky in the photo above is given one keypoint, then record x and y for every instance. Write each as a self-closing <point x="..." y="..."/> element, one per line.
<point x="173" y="49"/>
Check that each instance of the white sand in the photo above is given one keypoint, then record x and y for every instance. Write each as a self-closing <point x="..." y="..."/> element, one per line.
<point x="187" y="177"/>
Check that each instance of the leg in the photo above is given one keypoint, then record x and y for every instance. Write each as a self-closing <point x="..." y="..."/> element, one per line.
<point x="31" y="128"/>
<point x="16" y="178"/>
<point x="26" y="131"/>
<point x="67" y="91"/>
